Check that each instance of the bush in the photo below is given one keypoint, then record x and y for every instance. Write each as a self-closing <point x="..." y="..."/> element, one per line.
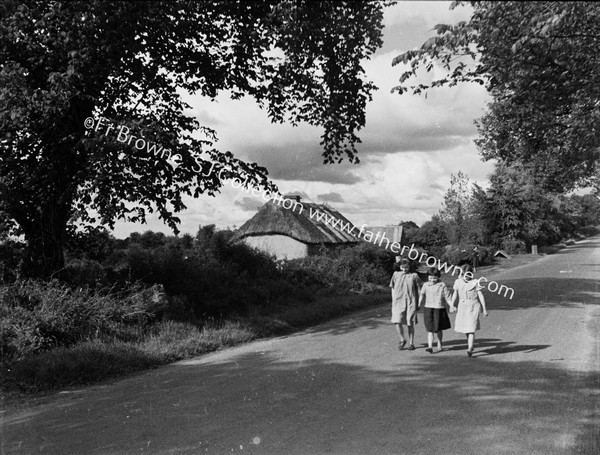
<point x="36" y="316"/>
<point x="11" y="254"/>
<point x="339" y="272"/>
<point x="212" y="278"/>
<point x="95" y="244"/>
<point x="588" y="231"/>
<point x="514" y="246"/>
<point x="83" y="272"/>
<point x="463" y="253"/>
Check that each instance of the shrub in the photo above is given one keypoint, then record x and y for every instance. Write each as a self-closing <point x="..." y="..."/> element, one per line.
<point x="11" y="254"/>
<point x="588" y="231"/>
<point x="513" y="246"/>
<point x="463" y="253"/>
<point x="338" y="272"/>
<point x="83" y="272"/>
<point x="93" y="243"/>
<point x="36" y="316"/>
<point x="212" y="277"/>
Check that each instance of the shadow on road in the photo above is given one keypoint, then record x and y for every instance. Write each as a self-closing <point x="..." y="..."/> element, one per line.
<point x="261" y="404"/>
<point x="493" y="346"/>
<point x="546" y="292"/>
<point x="498" y="407"/>
<point x="595" y="243"/>
<point x="370" y="319"/>
<point x="529" y="293"/>
<point x="442" y="405"/>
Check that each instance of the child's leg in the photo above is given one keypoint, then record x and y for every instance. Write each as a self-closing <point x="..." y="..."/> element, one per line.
<point x="400" y="332"/>
<point x="430" y="339"/>
<point x="440" y="338"/>
<point x="411" y="335"/>
<point x="470" y="340"/>
<point x="429" y="342"/>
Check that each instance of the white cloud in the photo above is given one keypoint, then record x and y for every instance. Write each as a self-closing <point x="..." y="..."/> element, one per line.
<point x="411" y="144"/>
<point x="408" y="24"/>
<point x="429" y="13"/>
<point x="441" y="120"/>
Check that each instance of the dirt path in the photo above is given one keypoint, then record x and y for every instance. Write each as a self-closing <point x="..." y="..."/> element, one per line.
<point x="532" y="386"/>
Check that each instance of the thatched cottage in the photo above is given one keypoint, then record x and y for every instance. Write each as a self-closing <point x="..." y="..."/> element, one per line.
<point x="292" y="229"/>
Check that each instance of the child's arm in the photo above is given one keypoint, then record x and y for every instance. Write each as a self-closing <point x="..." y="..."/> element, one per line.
<point x="419" y="281"/>
<point x="449" y="299"/>
<point x="482" y="301"/>
<point x="452" y="300"/>
<point x="421" y="298"/>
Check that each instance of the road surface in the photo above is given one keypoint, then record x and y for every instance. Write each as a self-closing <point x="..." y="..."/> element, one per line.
<point x="532" y="386"/>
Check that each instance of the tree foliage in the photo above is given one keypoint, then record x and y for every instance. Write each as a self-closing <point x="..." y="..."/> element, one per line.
<point x="130" y="63"/>
<point x="455" y="205"/>
<point x="433" y="233"/>
<point x="539" y="61"/>
<point x="461" y="211"/>
<point x="514" y="213"/>
<point x="517" y="209"/>
<point x="518" y="213"/>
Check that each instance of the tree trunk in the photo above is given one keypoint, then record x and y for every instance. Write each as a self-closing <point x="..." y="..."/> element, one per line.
<point x="45" y="236"/>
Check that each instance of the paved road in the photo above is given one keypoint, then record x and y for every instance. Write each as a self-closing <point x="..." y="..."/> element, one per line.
<point x="532" y="387"/>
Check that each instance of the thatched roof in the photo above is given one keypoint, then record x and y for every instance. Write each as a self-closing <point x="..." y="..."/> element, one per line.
<point x="296" y="222"/>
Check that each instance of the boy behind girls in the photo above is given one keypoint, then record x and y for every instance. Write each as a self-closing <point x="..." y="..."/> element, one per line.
<point x="405" y="297"/>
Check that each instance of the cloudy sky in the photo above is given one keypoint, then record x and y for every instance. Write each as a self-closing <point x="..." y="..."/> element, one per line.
<point x="411" y="144"/>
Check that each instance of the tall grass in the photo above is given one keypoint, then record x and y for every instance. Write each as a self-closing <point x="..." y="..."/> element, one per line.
<point x="192" y="296"/>
<point x="107" y="344"/>
<point x="37" y="316"/>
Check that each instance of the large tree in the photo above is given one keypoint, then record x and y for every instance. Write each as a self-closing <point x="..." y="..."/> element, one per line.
<point x="539" y="61"/>
<point x="454" y="211"/>
<point x="519" y="214"/>
<point x="126" y="65"/>
<point x="461" y="211"/>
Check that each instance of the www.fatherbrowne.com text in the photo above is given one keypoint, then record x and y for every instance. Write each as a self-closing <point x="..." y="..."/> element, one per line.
<point x="395" y="247"/>
<point x="365" y="234"/>
<point x="412" y="253"/>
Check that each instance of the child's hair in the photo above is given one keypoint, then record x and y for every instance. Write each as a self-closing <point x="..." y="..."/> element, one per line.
<point x="433" y="271"/>
<point x="401" y="263"/>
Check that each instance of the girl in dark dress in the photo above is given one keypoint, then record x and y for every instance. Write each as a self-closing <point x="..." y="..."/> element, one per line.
<point x="433" y="294"/>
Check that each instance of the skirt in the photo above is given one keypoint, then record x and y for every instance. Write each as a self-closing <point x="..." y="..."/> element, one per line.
<point x="467" y="316"/>
<point x="404" y="312"/>
<point x="436" y="319"/>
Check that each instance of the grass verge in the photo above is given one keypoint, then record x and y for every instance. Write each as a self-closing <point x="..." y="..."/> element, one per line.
<point x="102" y="358"/>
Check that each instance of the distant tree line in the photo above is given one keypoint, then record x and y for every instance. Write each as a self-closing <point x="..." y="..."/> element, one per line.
<point x="512" y="214"/>
<point x="539" y="63"/>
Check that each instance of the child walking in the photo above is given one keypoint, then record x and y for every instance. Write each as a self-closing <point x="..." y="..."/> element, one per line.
<point x="471" y="302"/>
<point x="405" y="294"/>
<point x="433" y="294"/>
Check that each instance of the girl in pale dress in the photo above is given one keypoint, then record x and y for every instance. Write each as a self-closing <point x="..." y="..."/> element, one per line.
<point x="405" y="299"/>
<point x="471" y="302"/>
